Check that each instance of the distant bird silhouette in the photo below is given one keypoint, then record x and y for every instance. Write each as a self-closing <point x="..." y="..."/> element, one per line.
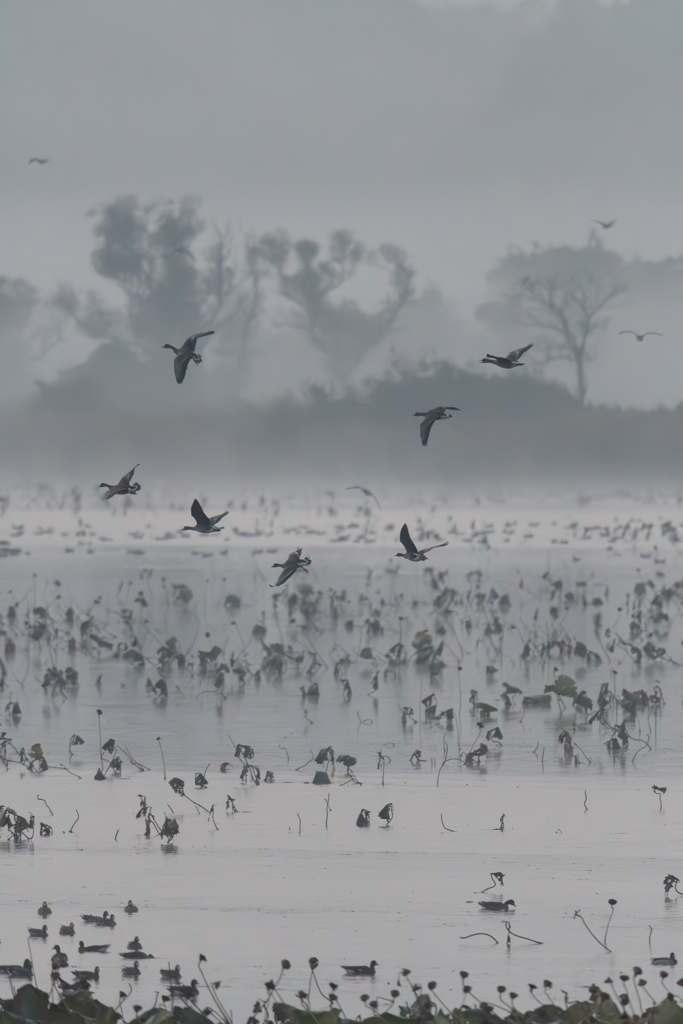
<point x="124" y="486"/>
<point x="180" y="250"/>
<point x="186" y="354"/>
<point x="360" y="970"/>
<point x="411" y="552"/>
<point x="293" y="562"/>
<point x="646" y="334"/>
<point x="605" y="224"/>
<point x="430" y="418"/>
<point x="366" y="492"/>
<point x="497" y="905"/>
<point x="664" y="961"/>
<point x="204" y="523"/>
<point x="509" y="361"/>
<point x="39" y="160"/>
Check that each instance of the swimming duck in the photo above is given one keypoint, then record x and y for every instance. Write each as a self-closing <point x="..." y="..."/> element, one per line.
<point x="38" y="933"/>
<point x="497" y="905"/>
<point x="44" y="910"/>
<point x="186" y="354"/>
<point x="361" y="971"/>
<point x="18" y="970"/>
<point x="67" y="929"/>
<point x="130" y="908"/>
<point x="82" y="948"/>
<point x="81" y="975"/>
<point x="131" y="972"/>
<point x="664" y="961"/>
<point x="59" y="959"/>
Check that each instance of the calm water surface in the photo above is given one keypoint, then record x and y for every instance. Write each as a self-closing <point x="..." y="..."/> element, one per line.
<point x="286" y="874"/>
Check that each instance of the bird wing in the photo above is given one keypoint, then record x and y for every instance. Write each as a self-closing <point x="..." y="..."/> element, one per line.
<point x="517" y="352"/>
<point x="366" y="492"/>
<point x="192" y="340"/>
<point x="648" y="333"/>
<point x="125" y="480"/>
<point x="629" y="332"/>
<point x="199" y="515"/>
<point x="180" y="364"/>
<point x="216" y="519"/>
<point x="426" y="426"/>
<point x="286" y="574"/>
<point x="407" y="540"/>
<point x="423" y="551"/>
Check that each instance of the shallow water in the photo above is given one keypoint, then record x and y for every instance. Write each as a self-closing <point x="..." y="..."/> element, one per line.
<point x="282" y="876"/>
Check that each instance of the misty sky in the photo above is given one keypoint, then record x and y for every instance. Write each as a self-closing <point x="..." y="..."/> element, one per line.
<point x="452" y="129"/>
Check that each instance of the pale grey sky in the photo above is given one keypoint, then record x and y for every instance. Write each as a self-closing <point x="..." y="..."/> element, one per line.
<point x="453" y="130"/>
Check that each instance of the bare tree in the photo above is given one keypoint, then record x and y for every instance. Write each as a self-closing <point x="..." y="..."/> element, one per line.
<point x="568" y="313"/>
<point x="307" y="279"/>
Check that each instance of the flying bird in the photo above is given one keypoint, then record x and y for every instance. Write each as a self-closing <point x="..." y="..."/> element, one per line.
<point x="497" y="905"/>
<point x="186" y="354"/>
<point x="639" y="337"/>
<point x="293" y="562"/>
<point x="605" y="224"/>
<point x="366" y="492"/>
<point x="509" y="361"/>
<point x="39" y="160"/>
<point x="430" y="418"/>
<point x="361" y="971"/>
<point x="411" y="552"/>
<point x="180" y="250"/>
<point x="124" y="486"/>
<point x="204" y="523"/>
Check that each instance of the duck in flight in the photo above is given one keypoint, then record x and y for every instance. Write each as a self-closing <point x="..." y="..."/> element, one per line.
<point x="204" y="523"/>
<point x="430" y="418"/>
<point x="646" y="334"/>
<point x="361" y="970"/>
<point x="411" y="553"/>
<point x="293" y="562"/>
<point x="365" y="491"/>
<point x="39" y="160"/>
<point x="509" y="361"/>
<point x="124" y="486"/>
<point x="186" y="354"/>
<point x="605" y="224"/>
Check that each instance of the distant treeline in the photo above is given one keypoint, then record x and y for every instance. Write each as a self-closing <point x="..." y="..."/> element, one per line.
<point x="511" y="429"/>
